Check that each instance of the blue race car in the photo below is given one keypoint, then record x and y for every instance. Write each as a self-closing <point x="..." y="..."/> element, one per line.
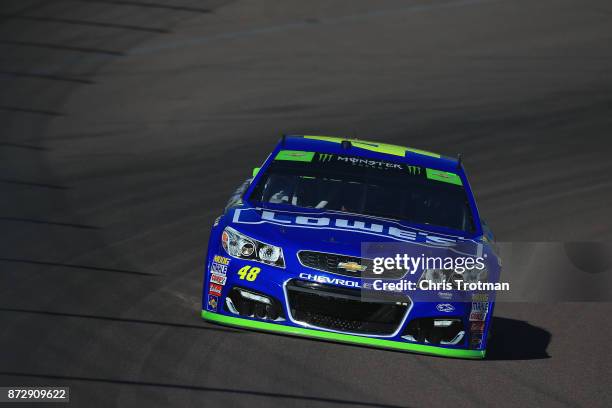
<point x="293" y="251"/>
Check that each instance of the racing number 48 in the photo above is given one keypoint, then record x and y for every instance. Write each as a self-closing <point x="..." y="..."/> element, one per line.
<point x="249" y="273"/>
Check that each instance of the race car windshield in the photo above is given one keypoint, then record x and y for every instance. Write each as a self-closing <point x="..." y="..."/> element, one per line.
<point x="364" y="186"/>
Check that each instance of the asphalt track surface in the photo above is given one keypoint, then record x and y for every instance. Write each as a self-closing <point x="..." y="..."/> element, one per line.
<point x="125" y="126"/>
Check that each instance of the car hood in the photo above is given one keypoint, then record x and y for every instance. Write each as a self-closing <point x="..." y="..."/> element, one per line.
<point x="342" y="233"/>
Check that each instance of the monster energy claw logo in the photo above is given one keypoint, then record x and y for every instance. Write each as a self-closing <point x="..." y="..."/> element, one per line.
<point x="324" y="157"/>
<point x="414" y="170"/>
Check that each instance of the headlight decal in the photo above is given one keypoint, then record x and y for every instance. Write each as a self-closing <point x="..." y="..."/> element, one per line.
<point x="241" y="246"/>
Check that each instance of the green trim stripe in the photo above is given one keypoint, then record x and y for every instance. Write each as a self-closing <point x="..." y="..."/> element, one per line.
<point x="376" y="147"/>
<point x="294" y="155"/>
<point x="423" y="152"/>
<point x="444" y="176"/>
<point x="345" y="338"/>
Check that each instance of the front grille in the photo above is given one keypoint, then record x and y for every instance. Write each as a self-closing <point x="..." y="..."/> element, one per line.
<point x="343" y="309"/>
<point x="324" y="261"/>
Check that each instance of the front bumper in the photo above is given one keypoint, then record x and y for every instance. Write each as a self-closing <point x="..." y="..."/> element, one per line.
<point x="340" y="337"/>
<point x="294" y="302"/>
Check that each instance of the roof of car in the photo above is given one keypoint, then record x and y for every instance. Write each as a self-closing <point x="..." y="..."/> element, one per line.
<point x="369" y="149"/>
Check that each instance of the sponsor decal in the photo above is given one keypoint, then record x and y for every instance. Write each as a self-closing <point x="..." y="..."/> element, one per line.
<point x="479" y="311"/>
<point x="477" y="333"/>
<point x="445" y="307"/>
<point x="217" y="221"/>
<point x="221" y="260"/>
<point x="325" y="279"/>
<point x="369" y="163"/>
<point x="294" y="155"/>
<point x="480" y="297"/>
<point x="215" y="289"/>
<point x="443" y="176"/>
<point x="480" y="307"/>
<point x="361" y="162"/>
<point x="477" y="327"/>
<point x="325" y="157"/>
<point x="250" y="216"/>
<point x="218" y="279"/>
<point x="218" y="268"/>
<point x="477" y="316"/>
<point x="475" y="342"/>
<point x="219" y="265"/>
<point x="414" y="170"/>
<point x="445" y="295"/>
<point x="213" y="302"/>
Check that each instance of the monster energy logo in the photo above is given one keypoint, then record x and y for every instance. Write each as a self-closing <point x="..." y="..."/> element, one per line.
<point x="324" y="157"/>
<point x="414" y="170"/>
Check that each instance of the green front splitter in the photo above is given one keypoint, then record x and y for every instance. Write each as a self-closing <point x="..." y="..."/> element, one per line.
<point x="345" y="338"/>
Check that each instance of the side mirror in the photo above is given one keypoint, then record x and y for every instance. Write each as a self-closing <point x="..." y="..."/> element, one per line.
<point x="487" y="231"/>
<point x="255" y="171"/>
